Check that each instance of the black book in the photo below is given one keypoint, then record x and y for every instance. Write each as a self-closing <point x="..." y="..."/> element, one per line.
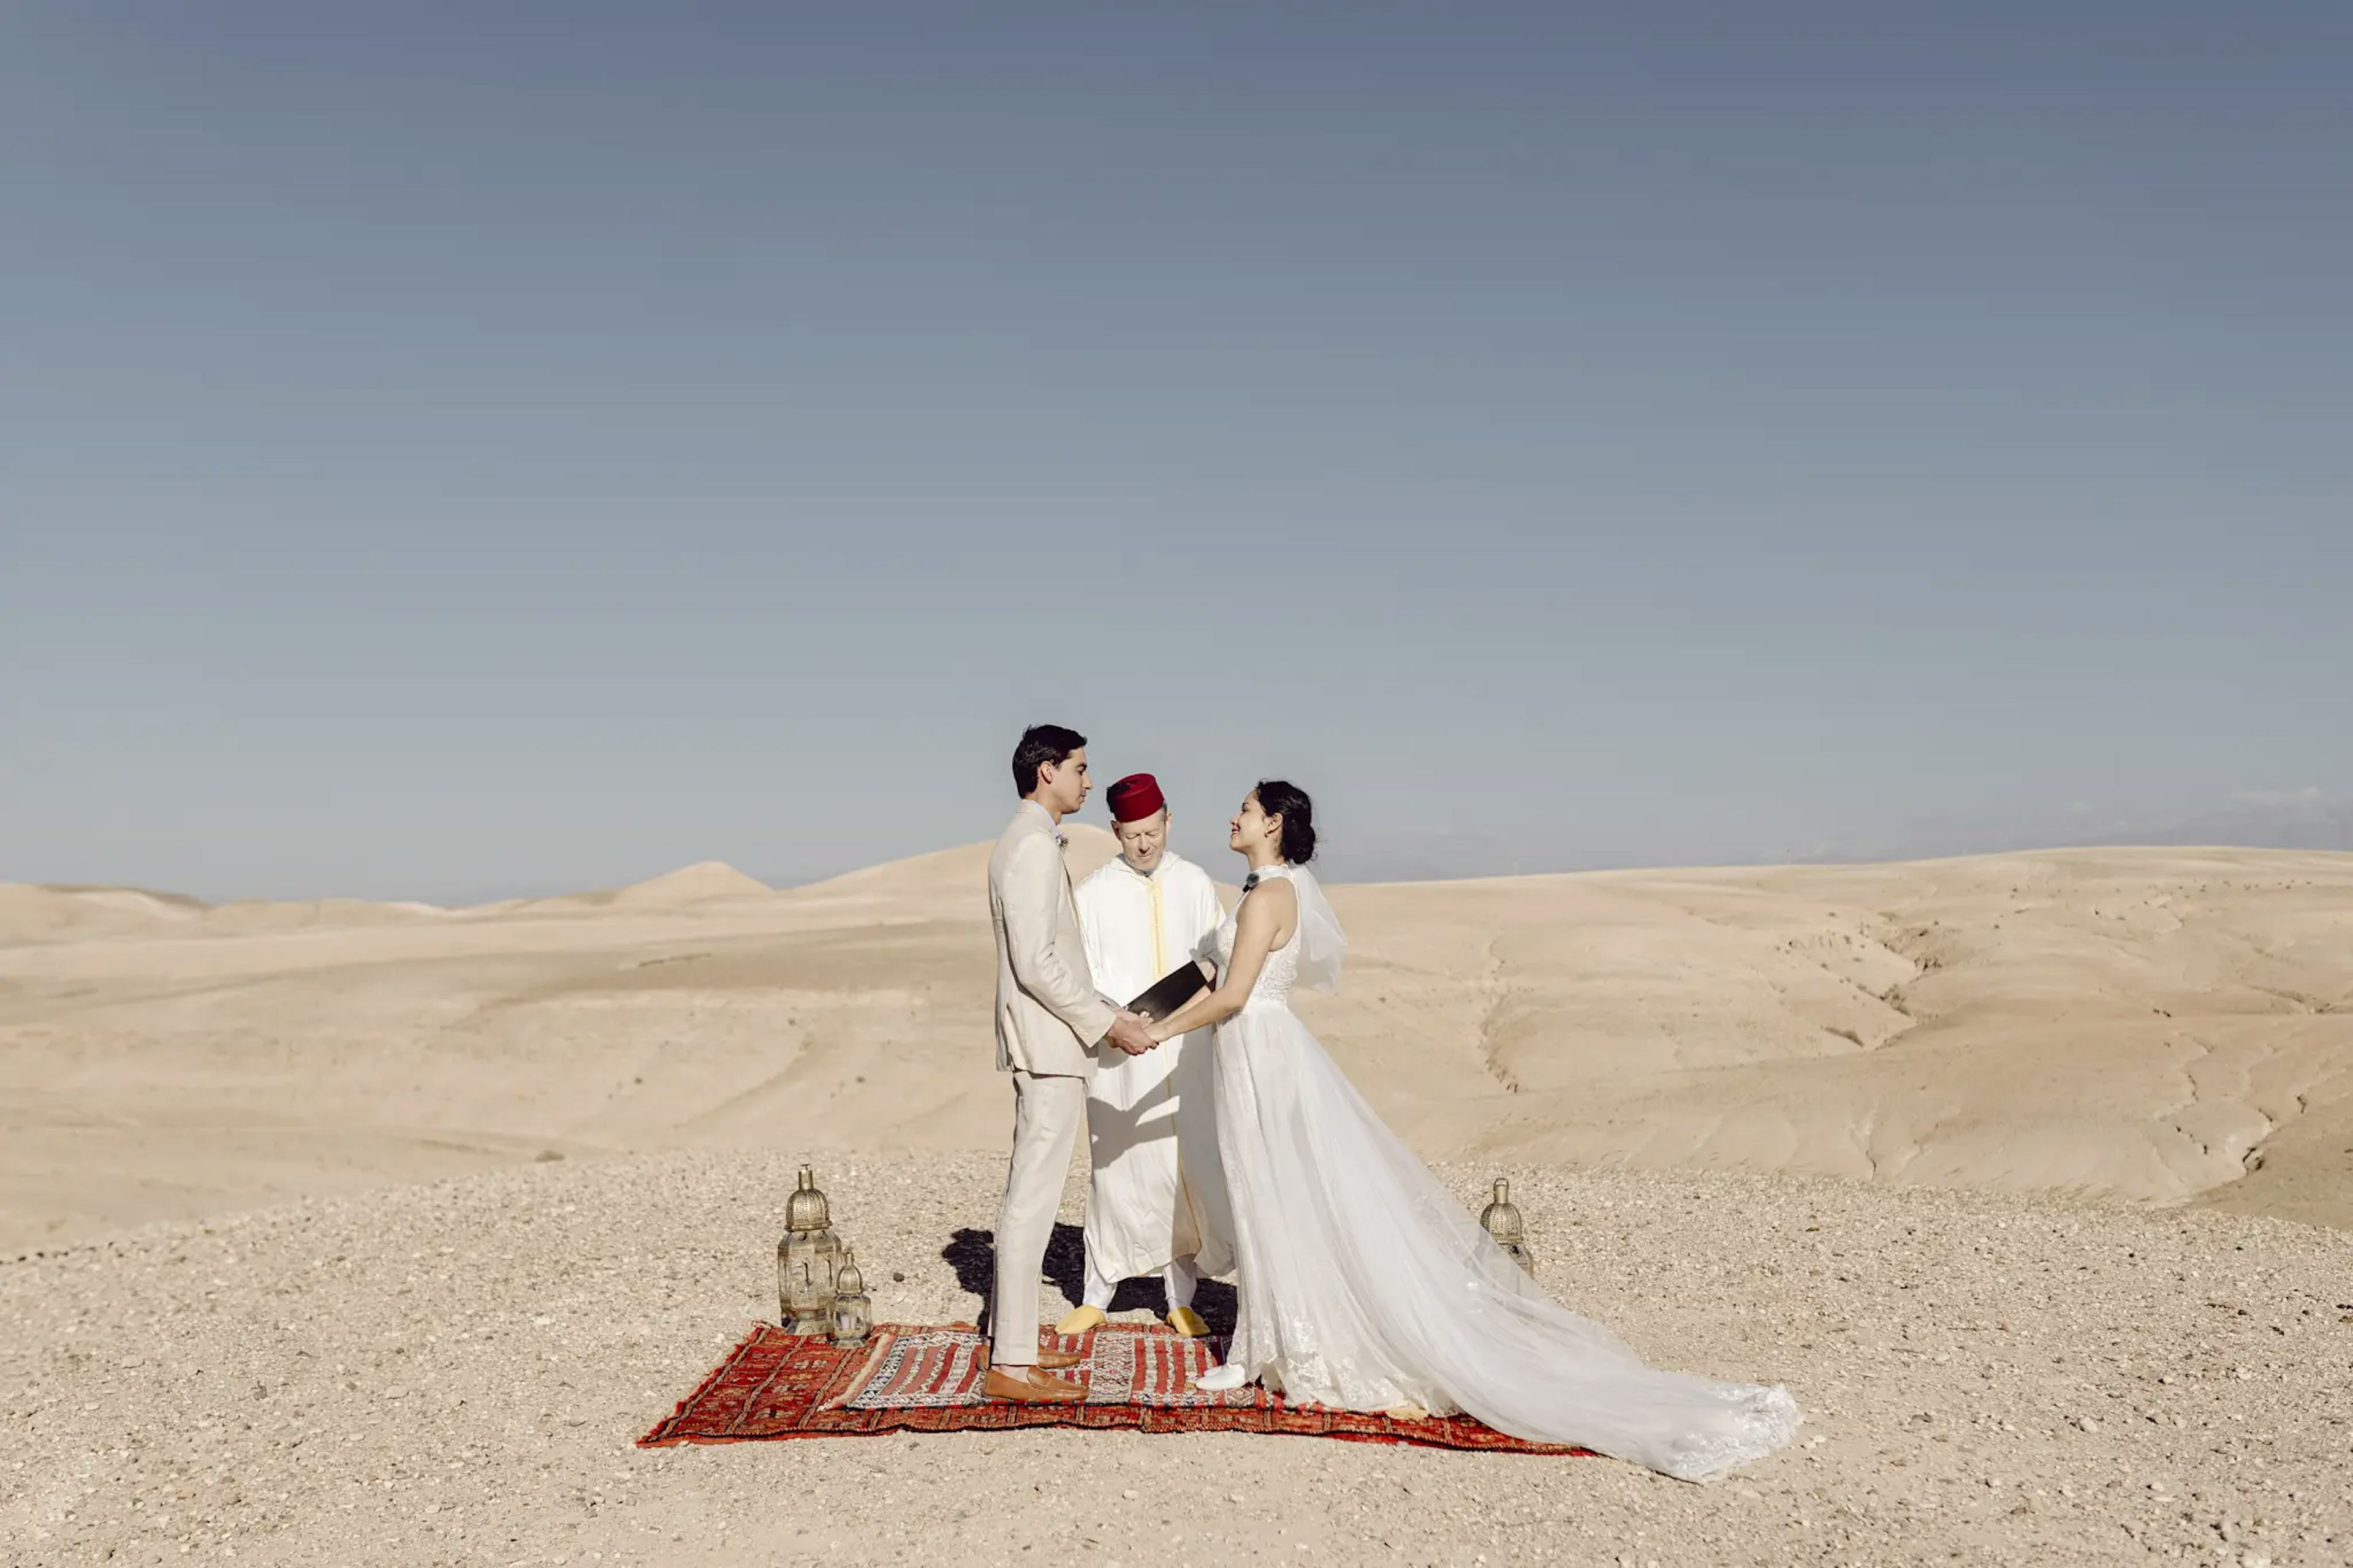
<point x="1170" y="992"/>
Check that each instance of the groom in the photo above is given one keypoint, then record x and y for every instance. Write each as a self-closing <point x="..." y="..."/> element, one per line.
<point x="1049" y="1023"/>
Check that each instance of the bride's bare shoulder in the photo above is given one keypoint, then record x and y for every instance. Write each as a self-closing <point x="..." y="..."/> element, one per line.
<point x="1273" y="900"/>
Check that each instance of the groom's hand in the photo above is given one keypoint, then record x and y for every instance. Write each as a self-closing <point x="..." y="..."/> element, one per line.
<point x="1129" y="1034"/>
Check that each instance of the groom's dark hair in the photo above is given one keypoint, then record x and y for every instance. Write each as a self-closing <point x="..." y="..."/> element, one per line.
<point x="1040" y="744"/>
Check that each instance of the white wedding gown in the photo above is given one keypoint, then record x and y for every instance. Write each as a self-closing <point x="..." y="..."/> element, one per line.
<point x="1365" y="1286"/>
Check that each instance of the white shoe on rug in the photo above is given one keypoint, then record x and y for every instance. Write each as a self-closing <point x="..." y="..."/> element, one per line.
<point x="1221" y="1379"/>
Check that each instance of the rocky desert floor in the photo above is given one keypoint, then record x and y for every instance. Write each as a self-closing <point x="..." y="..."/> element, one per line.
<point x="346" y="1232"/>
<point x="454" y="1373"/>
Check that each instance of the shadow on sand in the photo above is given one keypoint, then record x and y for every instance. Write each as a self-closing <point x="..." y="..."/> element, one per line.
<point x="973" y="1255"/>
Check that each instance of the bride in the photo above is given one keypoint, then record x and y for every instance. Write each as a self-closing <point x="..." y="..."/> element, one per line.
<point x="1363" y="1284"/>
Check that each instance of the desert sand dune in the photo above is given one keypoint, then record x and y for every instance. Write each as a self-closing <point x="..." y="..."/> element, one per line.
<point x="2143" y="1025"/>
<point x="254" y="917"/>
<point x="704" y="882"/>
<point x="2146" y="1025"/>
<point x="307" y="1355"/>
<point x="40" y="913"/>
<point x="950" y="877"/>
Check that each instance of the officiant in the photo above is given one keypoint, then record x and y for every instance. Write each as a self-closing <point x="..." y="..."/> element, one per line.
<point x="1156" y="1201"/>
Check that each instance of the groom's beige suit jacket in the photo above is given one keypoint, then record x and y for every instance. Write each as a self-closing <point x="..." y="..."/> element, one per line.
<point x="1049" y="1017"/>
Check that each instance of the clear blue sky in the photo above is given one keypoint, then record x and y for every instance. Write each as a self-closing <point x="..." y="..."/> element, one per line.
<point x="448" y="449"/>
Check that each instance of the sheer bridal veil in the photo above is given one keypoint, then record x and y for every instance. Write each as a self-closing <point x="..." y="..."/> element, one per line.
<point x="1323" y="946"/>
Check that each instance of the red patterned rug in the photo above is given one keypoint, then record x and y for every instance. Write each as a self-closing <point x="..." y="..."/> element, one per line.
<point x="913" y="1378"/>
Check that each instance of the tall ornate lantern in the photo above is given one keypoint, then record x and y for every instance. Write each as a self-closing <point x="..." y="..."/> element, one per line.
<point x="1501" y="1219"/>
<point x="807" y="1259"/>
<point x="853" y="1314"/>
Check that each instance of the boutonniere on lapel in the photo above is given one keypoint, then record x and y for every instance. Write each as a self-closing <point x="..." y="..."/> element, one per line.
<point x="1062" y="839"/>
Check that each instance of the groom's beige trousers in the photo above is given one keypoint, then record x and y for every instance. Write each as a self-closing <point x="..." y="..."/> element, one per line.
<point x="1047" y="1111"/>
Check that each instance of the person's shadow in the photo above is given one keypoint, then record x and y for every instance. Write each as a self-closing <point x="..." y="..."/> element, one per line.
<point x="973" y="1255"/>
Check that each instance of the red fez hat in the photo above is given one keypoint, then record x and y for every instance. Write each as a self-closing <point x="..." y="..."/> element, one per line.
<point x="1136" y="795"/>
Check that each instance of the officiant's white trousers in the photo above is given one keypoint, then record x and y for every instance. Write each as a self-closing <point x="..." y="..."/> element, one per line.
<point x="1181" y="1278"/>
<point x="1047" y="1111"/>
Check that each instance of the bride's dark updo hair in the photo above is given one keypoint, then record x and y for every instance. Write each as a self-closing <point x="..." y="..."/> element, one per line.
<point x="1279" y="798"/>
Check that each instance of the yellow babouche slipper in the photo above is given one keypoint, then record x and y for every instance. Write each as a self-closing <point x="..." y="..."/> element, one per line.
<point x="1080" y="1320"/>
<point x="1188" y="1322"/>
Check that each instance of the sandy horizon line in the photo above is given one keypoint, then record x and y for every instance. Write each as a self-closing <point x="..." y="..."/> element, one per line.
<point x="753" y="886"/>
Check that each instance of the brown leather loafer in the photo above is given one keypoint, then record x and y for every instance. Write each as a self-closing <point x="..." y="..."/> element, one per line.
<point x="1025" y="1385"/>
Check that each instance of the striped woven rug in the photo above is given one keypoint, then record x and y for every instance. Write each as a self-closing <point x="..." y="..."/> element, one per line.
<point x="928" y="1378"/>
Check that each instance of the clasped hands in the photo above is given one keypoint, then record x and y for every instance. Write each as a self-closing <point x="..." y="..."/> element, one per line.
<point x="1131" y="1033"/>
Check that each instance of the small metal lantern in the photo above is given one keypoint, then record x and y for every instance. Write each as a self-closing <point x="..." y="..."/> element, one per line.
<point x="807" y="1259"/>
<point x="853" y="1314"/>
<point x="1501" y="1219"/>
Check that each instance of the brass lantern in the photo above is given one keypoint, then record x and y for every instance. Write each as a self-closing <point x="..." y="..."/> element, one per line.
<point x="1501" y="1219"/>
<point x="807" y="1259"/>
<point x="853" y="1314"/>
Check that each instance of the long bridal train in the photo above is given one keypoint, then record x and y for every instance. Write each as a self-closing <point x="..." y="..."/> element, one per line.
<point x="1363" y="1284"/>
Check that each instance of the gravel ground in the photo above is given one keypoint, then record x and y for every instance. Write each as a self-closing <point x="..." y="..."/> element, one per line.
<point x="454" y="1373"/>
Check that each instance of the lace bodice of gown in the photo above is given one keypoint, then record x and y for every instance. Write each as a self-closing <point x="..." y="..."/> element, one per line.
<point x="1280" y="971"/>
